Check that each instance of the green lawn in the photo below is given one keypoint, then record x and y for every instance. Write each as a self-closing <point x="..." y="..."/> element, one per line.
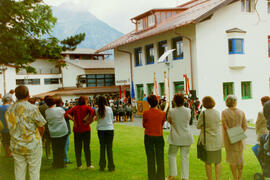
<point x="130" y="161"/>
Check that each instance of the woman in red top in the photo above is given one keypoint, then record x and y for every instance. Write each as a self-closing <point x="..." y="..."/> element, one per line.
<point x="153" y="120"/>
<point x="82" y="130"/>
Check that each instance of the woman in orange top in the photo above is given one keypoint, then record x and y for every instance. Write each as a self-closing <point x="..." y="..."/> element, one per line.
<point x="153" y="120"/>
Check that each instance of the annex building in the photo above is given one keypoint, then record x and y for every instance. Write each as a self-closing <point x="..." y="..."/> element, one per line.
<point x="85" y="73"/>
<point x="222" y="46"/>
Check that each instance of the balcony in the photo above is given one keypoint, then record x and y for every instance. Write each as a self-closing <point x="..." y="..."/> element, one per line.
<point x="236" y="61"/>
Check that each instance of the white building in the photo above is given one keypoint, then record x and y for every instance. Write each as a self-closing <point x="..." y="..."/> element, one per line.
<point x="86" y="73"/>
<point x="222" y="46"/>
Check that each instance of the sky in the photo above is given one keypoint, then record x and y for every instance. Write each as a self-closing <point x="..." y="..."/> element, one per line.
<point x="117" y="13"/>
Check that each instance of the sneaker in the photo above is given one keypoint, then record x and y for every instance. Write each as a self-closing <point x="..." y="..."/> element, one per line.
<point x="79" y="168"/>
<point x="90" y="167"/>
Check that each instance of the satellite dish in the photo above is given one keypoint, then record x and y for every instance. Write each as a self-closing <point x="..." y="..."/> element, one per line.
<point x="162" y="58"/>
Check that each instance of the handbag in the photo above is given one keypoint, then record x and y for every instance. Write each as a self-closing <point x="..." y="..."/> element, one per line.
<point x="1" y="126"/>
<point x="236" y="134"/>
<point x="201" y="149"/>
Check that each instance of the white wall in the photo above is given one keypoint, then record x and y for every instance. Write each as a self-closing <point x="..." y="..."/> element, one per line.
<point x="145" y="74"/>
<point x="10" y="75"/>
<point x="41" y="88"/>
<point x="70" y="73"/>
<point x="213" y="58"/>
<point x="43" y="66"/>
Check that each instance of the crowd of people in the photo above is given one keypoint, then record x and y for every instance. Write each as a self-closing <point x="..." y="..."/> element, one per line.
<point x="214" y="132"/>
<point x="30" y="124"/>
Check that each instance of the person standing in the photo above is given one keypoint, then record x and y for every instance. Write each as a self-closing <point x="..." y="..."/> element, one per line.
<point x="26" y="126"/>
<point x="46" y="137"/>
<point x="82" y="130"/>
<point x="5" y="132"/>
<point x="261" y="123"/>
<point x="104" y="115"/>
<point x="232" y="117"/>
<point x="180" y="137"/>
<point x="153" y="120"/>
<point x="58" y="131"/>
<point x="213" y="138"/>
<point x="60" y="103"/>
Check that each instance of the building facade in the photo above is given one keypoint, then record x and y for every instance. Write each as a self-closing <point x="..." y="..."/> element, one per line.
<point x="222" y="46"/>
<point x="84" y="69"/>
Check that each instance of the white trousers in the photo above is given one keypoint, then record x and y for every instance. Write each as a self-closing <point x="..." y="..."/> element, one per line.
<point x="184" y="155"/>
<point x="33" y="162"/>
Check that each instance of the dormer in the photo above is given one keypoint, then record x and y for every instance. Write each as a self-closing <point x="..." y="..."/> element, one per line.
<point x="151" y="18"/>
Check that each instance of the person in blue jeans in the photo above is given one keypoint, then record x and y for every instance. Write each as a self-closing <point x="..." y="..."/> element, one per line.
<point x="5" y="132"/>
<point x="104" y="117"/>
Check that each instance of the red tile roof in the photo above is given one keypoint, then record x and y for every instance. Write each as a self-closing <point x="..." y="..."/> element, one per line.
<point x="197" y="10"/>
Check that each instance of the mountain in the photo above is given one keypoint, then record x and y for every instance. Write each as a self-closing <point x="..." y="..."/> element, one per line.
<point x="72" y="20"/>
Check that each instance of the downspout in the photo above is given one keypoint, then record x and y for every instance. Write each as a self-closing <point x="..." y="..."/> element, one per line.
<point x="190" y="55"/>
<point x="130" y="59"/>
<point x="4" y="81"/>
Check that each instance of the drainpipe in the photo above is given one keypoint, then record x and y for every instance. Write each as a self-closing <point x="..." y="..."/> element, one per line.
<point x="4" y="81"/>
<point x="190" y="54"/>
<point x="130" y="59"/>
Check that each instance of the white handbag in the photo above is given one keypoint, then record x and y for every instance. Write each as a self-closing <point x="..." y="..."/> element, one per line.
<point x="236" y="134"/>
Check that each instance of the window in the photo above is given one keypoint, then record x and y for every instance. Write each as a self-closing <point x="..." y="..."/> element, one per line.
<point x="97" y="80"/>
<point x="179" y="87"/>
<point x="248" y="5"/>
<point x="150" y="89"/>
<point x="228" y="89"/>
<point x="27" y="81"/>
<point x="51" y="81"/>
<point x="138" y="56"/>
<point x="140" y="24"/>
<point x="268" y="46"/>
<point x="177" y="44"/>
<point x="151" y="20"/>
<point x="162" y="47"/>
<point x="246" y="90"/>
<point x="140" y="92"/>
<point x="149" y="53"/>
<point x="236" y="46"/>
<point x="162" y="89"/>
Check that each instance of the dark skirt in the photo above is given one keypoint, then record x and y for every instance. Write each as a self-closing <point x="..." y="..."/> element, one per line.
<point x="213" y="157"/>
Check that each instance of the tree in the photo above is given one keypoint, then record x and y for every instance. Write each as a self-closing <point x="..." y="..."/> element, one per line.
<point x="23" y="26"/>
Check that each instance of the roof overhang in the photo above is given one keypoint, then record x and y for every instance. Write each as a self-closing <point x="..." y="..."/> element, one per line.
<point x="195" y="14"/>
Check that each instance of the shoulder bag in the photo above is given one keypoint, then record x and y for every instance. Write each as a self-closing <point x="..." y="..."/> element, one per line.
<point x="201" y="149"/>
<point x="236" y="133"/>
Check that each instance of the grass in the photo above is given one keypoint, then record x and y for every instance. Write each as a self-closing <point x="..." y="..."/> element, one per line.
<point x="130" y="161"/>
<point x="251" y="125"/>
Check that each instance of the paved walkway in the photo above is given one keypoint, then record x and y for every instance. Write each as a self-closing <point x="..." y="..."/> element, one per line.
<point x="251" y="132"/>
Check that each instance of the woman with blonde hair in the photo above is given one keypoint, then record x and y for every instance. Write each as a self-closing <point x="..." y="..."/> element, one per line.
<point x="232" y="117"/>
<point x="209" y="120"/>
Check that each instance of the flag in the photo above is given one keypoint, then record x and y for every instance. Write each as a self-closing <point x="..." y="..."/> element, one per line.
<point x="167" y="91"/>
<point x="164" y="56"/>
<point x="125" y="91"/>
<point x="132" y="90"/>
<point x="155" y="86"/>
<point x="120" y="92"/>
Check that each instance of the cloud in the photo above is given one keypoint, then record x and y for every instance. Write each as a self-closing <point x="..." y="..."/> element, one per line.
<point x="117" y="13"/>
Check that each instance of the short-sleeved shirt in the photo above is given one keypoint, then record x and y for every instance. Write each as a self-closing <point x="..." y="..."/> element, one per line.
<point x="3" y="109"/>
<point x="56" y="122"/>
<point x="23" y="120"/>
<point x="79" y="112"/>
<point x="153" y="120"/>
